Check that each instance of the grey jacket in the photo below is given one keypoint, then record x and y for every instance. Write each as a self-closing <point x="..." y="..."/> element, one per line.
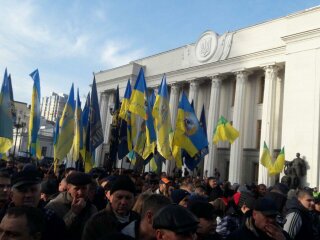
<point x="61" y="205"/>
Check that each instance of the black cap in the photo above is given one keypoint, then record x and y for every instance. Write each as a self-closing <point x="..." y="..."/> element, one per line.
<point x="123" y="183"/>
<point x="178" y="195"/>
<point x="266" y="206"/>
<point x="175" y="218"/>
<point x="25" y="177"/>
<point x="79" y="179"/>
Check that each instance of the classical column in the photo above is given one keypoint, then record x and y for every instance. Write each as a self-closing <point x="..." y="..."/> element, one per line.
<point x="268" y="117"/>
<point x="193" y="93"/>
<point x="210" y="161"/>
<point x="173" y="104"/>
<point x="236" y="151"/>
<point x="104" y="98"/>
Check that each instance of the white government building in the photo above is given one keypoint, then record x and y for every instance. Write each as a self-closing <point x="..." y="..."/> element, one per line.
<point x="265" y="79"/>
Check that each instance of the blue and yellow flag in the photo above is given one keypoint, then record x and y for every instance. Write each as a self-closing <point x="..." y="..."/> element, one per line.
<point x="125" y="142"/>
<point x="85" y="151"/>
<point x="96" y="132"/>
<point x="141" y="118"/>
<point x="188" y="135"/>
<point x="6" y="122"/>
<point x="190" y="162"/>
<point x="77" y="141"/>
<point x="34" y="121"/>
<point x="13" y="108"/>
<point x="66" y="124"/>
<point x="125" y="102"/>
<point x="162" y="119"/>
<point x="139" y="97"/>
<point x="150" y="131"/>
<point x="55" y="141"/>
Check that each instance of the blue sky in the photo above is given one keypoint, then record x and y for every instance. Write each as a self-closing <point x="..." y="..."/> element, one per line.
<point x="69" y="40"/>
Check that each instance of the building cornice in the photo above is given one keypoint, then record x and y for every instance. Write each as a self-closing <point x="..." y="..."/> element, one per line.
<point x="313" y="33"/>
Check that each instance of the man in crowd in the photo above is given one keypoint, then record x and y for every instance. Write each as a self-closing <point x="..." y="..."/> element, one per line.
<point x="262" y="224"/>
<point x="22" y="223"/>
<point x="118" y="212"/>
<point x="299" y="219"/>
<point x="25" y="191"/>
<point x="163" y="189"/>
<point x="72" y="206"/>
<point x="175" y="222"/>
<point x="143" y="229"/>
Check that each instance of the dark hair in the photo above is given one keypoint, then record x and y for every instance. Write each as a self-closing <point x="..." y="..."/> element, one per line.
<point x="34" y="216"/>
<point x="302" y="192"/>
<point x="154" y="203"/>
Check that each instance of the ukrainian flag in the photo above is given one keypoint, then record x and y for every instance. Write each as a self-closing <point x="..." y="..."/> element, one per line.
<point x="140" y="107"/>
<point x="161" y="115"/>
<point x="34" y="122"/>
<point x="77" y="141"/>
<point x="6" y="122"/>
<point x="66" y="128"/>
<point x="55" y="141"/>
<point x="150" y="132"/>
<point x="138" y="97"/>
<point x="188" y="135"/>
<point x="125" y="102"/>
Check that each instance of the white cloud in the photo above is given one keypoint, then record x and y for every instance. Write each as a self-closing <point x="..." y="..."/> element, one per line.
<point x="117" y="53"/>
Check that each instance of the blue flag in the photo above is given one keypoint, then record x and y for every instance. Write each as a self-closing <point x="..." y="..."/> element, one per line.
<point x="6" y="122"/>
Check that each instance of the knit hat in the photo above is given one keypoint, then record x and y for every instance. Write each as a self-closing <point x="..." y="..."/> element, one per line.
<point x="179" y="194"/>
<point x="266" y="206"/>
<point x="123" y="183"/>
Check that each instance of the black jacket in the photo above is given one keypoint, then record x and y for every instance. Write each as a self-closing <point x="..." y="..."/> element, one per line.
<point x="305" y="232"/>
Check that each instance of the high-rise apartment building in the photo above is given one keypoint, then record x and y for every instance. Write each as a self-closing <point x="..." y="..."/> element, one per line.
<point x="52" y="106"/>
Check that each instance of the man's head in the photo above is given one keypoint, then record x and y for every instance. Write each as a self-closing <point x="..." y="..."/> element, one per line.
<point x="262" y="190"/>
<point x="63" y="185"/>
<point x="264" y="213"/>
<point x="205" y="212"/>
<point x="77" y="184"/>
<point x="212" y="182"/>
<point x="306" y="199"/>
<point x="4" y="186"/>
<point x="122" y="195"/>
<point x="175" y="222"/>
<point x="180" y="196"/>
<point x="164" y="184"/>
<point x="26" y="188"/>
<point x="200" y="190"/>
<point x="22" y="223"/>
<point x="150" y="207"/>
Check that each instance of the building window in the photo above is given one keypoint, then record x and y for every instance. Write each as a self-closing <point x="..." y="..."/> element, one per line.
<point x="258" y="134"/>
<point x="261" y="89"/>
<point x="43" y="151"/>
<point x="234" y="85"/>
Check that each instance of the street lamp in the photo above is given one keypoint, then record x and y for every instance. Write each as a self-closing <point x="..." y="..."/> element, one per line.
<point x="17" y="125"/>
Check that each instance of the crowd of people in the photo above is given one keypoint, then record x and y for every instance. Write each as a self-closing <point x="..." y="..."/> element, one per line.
<point x="35" y="203"/>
